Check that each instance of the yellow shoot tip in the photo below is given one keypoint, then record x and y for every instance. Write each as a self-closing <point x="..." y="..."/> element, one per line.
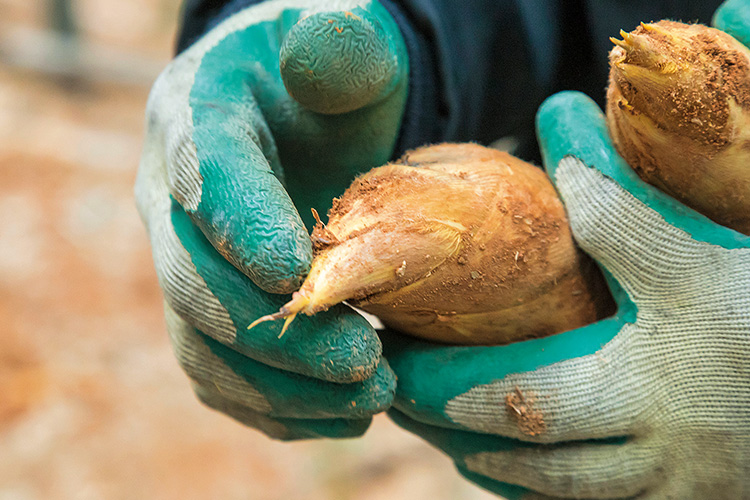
<point x="631" y="39"/>
<point x="628" y="41"/>
<point x="619" y="43"/>
<point x="658" y="29"/>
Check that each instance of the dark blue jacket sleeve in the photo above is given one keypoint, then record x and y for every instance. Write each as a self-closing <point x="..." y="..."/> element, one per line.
<point x="479" y="69"/>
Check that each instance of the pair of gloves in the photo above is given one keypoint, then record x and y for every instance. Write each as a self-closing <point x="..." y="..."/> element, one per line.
<point x="653" y="402"/>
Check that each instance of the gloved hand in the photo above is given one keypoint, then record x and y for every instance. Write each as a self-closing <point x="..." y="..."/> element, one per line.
<point x="653" y="403"/>
<point x="223" y="136"/>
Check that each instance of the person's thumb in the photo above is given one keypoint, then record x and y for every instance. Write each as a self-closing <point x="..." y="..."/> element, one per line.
<point x="341" y="61"/>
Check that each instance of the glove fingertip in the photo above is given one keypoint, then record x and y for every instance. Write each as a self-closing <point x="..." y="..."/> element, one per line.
<point x="281" y="259"/>
<point x="282" y="429"/>
<point x="382" y="389"/>
<point x="733" y="17"/>
<point x="571" y="123"/>
<point x="337" y="62"/>
<point x="334" y="428"/>
<point x="349" y="350"/>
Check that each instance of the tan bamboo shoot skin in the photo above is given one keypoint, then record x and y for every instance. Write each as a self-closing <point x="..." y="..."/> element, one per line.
<point x="678" y="111"/>
<point x="455" y="243"/>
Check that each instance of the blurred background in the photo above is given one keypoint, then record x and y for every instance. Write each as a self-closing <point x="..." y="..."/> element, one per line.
<point x="92" y="403"/>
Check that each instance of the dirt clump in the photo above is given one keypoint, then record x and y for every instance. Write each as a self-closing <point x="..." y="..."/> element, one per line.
<point x="521" y="408"/>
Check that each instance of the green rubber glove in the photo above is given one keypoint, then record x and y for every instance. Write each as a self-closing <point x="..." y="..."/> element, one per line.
<point x="653" y="403"/>
<point x="228" y="154"/>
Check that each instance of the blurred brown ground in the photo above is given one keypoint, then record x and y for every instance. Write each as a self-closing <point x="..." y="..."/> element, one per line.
<point x="92" y="403"/>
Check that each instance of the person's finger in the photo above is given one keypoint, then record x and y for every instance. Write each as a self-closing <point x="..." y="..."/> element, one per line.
<point x="336" y="345"/>
<point x="223" y="180"/>
<point x="614" y="468"/>
<point x="339" y="61"/>
<point x="564" y="387"/>
<point x="515" y="492"/>
<point x="285" y="429"/>
<point x="222" y="114"/>
<point x="450" y="442"/>
<point x="733" y="17"/>
<point x="340" y="105"/>
<point x="270" y="391"/>
<point x="593" y="470"/>
<point x="222" y="164"/>
<point x="321" y="153"/>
